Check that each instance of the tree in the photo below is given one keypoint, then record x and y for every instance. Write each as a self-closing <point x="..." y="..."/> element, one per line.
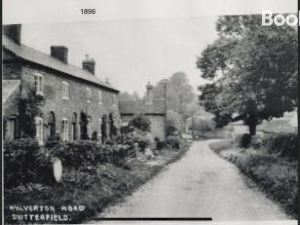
<point x="252" y="71"/>
<point x="173" y="122"/>
<point x="141" y="122"/>
<point x="179" y="92"/>
<point x="30" y="108"/>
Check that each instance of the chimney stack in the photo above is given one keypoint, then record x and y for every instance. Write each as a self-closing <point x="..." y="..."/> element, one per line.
<point x="13" y="31"/>
<point x="149" y="94"/>
<point x="89" y="64"/>
<point x="60" y="53"/>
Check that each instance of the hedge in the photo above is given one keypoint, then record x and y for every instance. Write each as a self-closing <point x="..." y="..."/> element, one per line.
<point x="282" y="144"/>
<point x="25" y="162"/>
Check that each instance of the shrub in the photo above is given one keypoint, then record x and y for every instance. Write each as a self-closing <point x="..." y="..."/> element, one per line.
<point x="245" y="141"/>
<point x="25" y="162"/>
<point x="95" y="136"/>
<point x="159" y="144"/>
<point x="83" y="153"/>
<point x="283" y="144"/>
<point x="54" y="140"/>
<point x="141" y="122"/>
<point x="173" y="141"/>
<point x="75" y="154"/>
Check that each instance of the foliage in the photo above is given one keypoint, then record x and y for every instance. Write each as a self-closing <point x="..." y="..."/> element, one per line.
<point x="159" y="144"/>
<point x="95" y="188"/>
<point x="141" y="122"/>
<point x="203" y="125"/>
<point x="245" y="141"/>
<point x="29" y="108"/>
<point x="173" y="122"/>
<point x="95" y="136"/>
<point x="25" y="162"/>
<point x="276" y="176"/>
<point x="283" y="144"/>
<point x="84" y="126"/>
<point x="53" y="140"/>
<point x="173" y="141"/>
<point x="83" y="153"/>
<point x="179" y="92"/>
<point x="252" y="69"/>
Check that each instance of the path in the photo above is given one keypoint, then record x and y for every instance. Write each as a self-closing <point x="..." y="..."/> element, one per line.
<point x="201" y="184"/>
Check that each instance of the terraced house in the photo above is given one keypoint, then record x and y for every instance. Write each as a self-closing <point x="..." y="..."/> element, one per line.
<point x="77" y="104"/>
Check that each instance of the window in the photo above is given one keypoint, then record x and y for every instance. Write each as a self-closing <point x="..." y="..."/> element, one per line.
<point x="88" y="95"/>
<point x="100" y="97"/>
<point x="65" y="90"/>
<point x="39" y="84"/>
<point x="39" y="130"/>
<point x="114" y="99"/>
<point x="65" y="129"/>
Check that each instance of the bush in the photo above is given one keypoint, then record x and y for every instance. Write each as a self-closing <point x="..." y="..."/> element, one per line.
<point x="245" y="141"/>
<point x="83" y="153"/>
<point x="173" y="141"/>
<point x="283" y="144"/>
<point x="141" y="122"/>
<point x="159" y="144"/>
<point x="25" y="162"/>
<point x="95" y="136"/>
<point x="54" y="140"/>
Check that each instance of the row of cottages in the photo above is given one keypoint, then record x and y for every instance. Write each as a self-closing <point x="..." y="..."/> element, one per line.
<point x="77" y="105"/>
<point x="155" y="109"/>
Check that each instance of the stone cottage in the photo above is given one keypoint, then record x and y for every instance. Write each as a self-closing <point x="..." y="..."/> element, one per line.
<point x="154" y="109"/>
<point x="77" y="104"/>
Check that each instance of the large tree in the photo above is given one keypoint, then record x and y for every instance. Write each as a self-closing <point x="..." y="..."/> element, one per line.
<point x="179" y="92"/>
<point x="252" y="71"/>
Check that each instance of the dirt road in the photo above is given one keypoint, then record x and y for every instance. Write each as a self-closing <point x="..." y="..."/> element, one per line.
<point x="201" y="184"/>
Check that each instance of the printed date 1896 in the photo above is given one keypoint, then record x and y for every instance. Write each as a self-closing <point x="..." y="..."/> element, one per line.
<point x="88" y="11"/>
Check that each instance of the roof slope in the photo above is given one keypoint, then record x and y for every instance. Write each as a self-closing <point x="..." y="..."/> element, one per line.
<point x="139" y="107"/>
<point x="35" y="56"/>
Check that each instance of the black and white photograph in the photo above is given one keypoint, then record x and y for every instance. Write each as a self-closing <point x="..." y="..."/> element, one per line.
<point x="150" y="112"/>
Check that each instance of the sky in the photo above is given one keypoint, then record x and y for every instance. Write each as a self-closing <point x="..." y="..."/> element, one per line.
<point x="130" y="52"/>
<point x="132" y="41"/>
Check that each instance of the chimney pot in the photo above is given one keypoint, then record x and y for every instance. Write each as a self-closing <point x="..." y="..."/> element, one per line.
<point x="13" y="31"/>
<point x="60" y="53"/>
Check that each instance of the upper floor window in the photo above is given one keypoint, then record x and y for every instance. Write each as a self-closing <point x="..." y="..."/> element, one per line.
<point x="39" y="84"/>
<point x="65" y="129"/>
<point x="65" y="90"/>
<point x="100" y="97"/>
<point x="88" y="95"/>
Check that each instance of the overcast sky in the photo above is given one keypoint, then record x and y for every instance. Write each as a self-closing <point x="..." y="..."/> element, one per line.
<point x="132" y="41"/>
<point x="130" y="52"/>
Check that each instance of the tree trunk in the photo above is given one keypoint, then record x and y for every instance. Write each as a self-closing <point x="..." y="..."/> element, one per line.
<point x="252" y="128"/>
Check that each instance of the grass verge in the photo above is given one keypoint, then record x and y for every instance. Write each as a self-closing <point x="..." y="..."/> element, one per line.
<point x="276" y="176"/>
<point x="94" y="188"/>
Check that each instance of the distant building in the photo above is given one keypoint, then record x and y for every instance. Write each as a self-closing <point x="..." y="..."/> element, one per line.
<point x="77" y="104"/>
<point x="152" y="108"/>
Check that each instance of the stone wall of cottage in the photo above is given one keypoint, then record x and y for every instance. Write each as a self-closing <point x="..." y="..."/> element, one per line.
<point x="77" y="102"/>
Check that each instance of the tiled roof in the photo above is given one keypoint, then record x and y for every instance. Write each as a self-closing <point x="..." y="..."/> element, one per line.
<point x="8" y="87"/>
<point x="132" y="107"/>
<point x="35" y="56"/>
